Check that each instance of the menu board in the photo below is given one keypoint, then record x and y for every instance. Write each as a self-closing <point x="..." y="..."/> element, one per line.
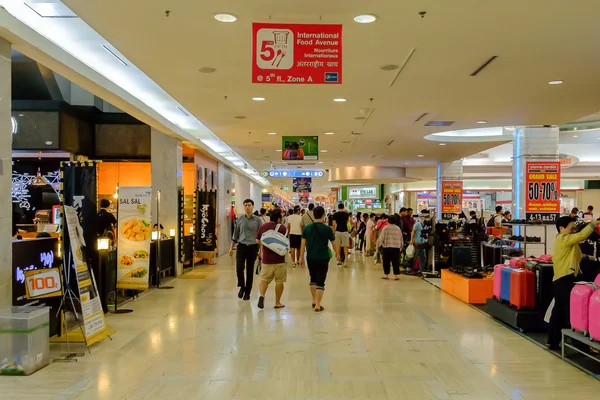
<point x="93" y="316"/>
<point x="542" y="191"/>
<point x="451" y="198"/>
<point x="134" y="236"/>
<point x="297" y="53"/>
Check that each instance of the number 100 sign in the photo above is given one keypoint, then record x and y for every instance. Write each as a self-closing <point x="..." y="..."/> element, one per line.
<point x="542" y="187"/>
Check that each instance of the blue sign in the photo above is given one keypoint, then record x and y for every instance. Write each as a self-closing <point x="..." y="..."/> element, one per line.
<point x="331" y="76"/>
<point x="292" y="173"/>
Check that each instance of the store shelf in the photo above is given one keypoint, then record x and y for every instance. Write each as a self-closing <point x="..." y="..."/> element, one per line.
<point x="521" y="241"/>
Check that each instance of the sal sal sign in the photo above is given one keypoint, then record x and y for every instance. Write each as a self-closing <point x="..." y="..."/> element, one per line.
<point x="542" y="191"/>
<point x="296" y="53"/>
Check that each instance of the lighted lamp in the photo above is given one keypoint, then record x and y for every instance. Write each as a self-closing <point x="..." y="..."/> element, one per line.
<point x="103" y="243"/>
<point x="155" y="235"/>
<point x="172" y="232"/>
<point x="191" y="229"/>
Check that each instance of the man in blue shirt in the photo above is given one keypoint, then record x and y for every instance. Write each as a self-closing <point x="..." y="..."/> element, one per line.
<point x="419" y="242"/>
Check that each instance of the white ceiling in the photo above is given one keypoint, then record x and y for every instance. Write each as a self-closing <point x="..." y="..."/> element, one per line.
<point x="535" y="41"/>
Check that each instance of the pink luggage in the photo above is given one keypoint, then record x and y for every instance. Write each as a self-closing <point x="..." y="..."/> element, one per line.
<point x="594" y="320"/>
<point x="498" y="280"/>
<point x="513" y="262"/>
<point x="580" y="306"/>
<point x="597" y="280"/>
<point x="545" y="258"/>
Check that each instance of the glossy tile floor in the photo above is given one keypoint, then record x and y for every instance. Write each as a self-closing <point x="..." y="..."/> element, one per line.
<point x="376" y="340"/>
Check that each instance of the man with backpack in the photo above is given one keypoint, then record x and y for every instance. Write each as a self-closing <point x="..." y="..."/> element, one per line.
<point x="273" y="264"/>
<point x="496" y="220"/>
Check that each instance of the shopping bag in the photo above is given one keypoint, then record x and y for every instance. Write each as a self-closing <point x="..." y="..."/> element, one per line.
<point x="410" y="251"/>
<point x="549" y="312"/>
<point x="258" y="266"/>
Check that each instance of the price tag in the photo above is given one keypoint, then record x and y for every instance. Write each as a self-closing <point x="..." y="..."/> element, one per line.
<point x="542" y="191"/>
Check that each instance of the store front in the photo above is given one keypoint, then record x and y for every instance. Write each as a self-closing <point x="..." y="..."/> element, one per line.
<point x="364" y="198"/>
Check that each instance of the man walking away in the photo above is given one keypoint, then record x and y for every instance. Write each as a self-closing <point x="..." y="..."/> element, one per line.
<point x="295" y="230"/>
<point x="342" y="237"/>
<point x="315" y="239"/>
<point x="244" y="235"/>
<point x="263" y="216"/>
<point x="496" y="220"/>
<point x="418" y="241"/>
<point x="308" y="217"/>
<point x="390" y="242"/>
<point x="273" y="265"/>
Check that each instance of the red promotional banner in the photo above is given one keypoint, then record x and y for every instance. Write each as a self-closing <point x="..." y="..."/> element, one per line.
<point x="451" y="197"/>
<point x="542" y="191"/>
<point x="296" y="53"/>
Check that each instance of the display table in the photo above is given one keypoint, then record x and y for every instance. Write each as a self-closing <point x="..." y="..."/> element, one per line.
<point x="472" y="291"/>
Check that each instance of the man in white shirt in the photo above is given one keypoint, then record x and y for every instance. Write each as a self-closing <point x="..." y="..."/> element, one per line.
<point x="294" y="225"/>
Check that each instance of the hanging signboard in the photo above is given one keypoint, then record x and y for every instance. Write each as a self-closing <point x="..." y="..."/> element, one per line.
<point x="297" y="53"/>
<point x="542" y="191"/>
<point x="362" y="192"/>
<point x="95" y="327"/>
<point x="302" y="184"/>
<point x="291" y="173"/>
<point x="300" y="148"/>
<point x="134" y="236"/>
<point x="206" y="220"/>
<point x="452" y="193"/>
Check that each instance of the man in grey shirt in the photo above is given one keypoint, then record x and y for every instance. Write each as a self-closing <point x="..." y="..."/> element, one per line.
<point x="244" y="235"/>
<point x="308" y="217"/>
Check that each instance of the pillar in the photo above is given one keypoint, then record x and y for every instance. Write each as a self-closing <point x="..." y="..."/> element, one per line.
<point x="167" y="174"/>
<point x="5" y="176"/>
<point x="449" y="188"/>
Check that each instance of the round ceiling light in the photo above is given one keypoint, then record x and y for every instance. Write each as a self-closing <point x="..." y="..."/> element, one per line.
<point x="365" y="18"/>
<point x="258" y="99"/>
<point x="207" y="70"/>
<point x="278" y="150"/>
<point x="323" y="151"/>
<point x="340" y="100"/>
<point x="482" y="122"/>
<point x="271" y="133"/>
<point x="575" y="135"/>
<point x="555" y="82"/>
<point x="420" y="155"/>
<point x="329" y="133"/>
<point x="223" y="17"/>
<point x="442" y="144"/>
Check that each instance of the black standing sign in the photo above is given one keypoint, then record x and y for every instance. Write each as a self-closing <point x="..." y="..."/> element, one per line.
<point x="79" y="190"/>
<point x="206" y="220"/>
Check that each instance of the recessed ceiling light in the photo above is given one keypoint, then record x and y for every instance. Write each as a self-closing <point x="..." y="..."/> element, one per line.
<point x="340" y="100"/>
<point x="321" y="162"/>
<point x="271" y="133"/>
<point x="365" y="18"/>
<point x="482" y="122"/>
<point x="329" y="133"/>
<point x="575" y="135"/>
<point x="258" y="99"/>
<point x="278" y="150"/>
<point x="555" y="82"/>
<point x="323" y="151"/>
<point x="420" y="155"/>
<point x="207" y="70"/>
<point x="442" y="144"/>
<point x="222" y="17"/>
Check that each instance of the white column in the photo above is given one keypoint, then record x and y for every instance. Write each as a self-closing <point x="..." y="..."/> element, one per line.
<point x="166" y="177"/>
<point x="5" y="177"/>
<point x="447" y="171"/>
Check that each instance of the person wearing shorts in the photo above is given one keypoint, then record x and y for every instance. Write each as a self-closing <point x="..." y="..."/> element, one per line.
<point x="294" y="225"/>
<point x="340" y="227"/>
<point x="273" y="265"/>
<point x="315" y="240"/>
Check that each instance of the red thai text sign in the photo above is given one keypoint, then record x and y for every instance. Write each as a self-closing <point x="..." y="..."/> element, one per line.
<point x="452" y="197"/>
<point x="296" y="53"/>
<point x="542" y="187"/>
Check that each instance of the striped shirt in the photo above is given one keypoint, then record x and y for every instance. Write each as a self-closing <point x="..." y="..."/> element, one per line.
<point x="390" y="236"/>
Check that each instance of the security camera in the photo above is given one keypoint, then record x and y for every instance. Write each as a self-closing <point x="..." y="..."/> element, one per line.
<point x="422" y="14"/>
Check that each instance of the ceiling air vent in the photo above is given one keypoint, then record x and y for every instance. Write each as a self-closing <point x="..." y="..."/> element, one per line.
<point x="391" y="141"/>
<point x="484" y="65"/>
<point x="353" y="133"/>
<point x="439" y="123"/>
<point x="345" y="142"/>
<point x="421" y="117"/>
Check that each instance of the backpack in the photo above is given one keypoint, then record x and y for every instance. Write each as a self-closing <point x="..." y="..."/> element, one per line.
<point x="491" y="222"/>
<point x="275" y="241"/>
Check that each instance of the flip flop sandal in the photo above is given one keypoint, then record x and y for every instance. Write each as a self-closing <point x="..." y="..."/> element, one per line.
<point x="313" y="305"/>
<point x="320" y="309"/>
<point x="281" y="306"/>
<point x="383" y="277"/>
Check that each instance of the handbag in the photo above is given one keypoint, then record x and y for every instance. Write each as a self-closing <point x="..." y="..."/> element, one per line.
<point x="275" y="241"/>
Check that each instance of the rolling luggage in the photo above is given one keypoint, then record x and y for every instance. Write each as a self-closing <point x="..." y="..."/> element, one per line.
<point x="580" y="306"/>
<point x="544" y="273"/>
<point x="505" y="284"/>
<point x="594" y="319"/>
<point x="498" y="279"/>
<point x="513" y="262"/>
<point x="545" y="258"/>
<point x="522" y="288"/>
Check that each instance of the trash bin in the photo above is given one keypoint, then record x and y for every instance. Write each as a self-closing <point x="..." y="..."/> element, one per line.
<point x="24" y="340"/>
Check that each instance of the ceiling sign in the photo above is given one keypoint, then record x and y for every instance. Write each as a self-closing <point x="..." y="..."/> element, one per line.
<point x="366" y="192"/>
<point x="291" y="173"/>
<point x="300" y="148"/>
<point x="296" y="53"/>
<point x="567" y="161"/>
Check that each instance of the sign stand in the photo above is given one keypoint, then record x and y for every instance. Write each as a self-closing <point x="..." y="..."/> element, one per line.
<point x="158" y="255"/>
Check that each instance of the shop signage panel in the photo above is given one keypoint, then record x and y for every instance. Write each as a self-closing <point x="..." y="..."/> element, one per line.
<point x="452" y="193"/>
<point x="302" y="184"/>
<point x="134" y="234"/>
<point x="542" y="191"/>
<point x="292" y="173"/>
<point x="206" y="221"/>
<point x="365" y="192"/>
<point x="303" y="195"/>
<point x="297" y="53"/>
<point x="43" y="283"/>
<point x="94" y="324"/>
<point x="300" y="148"/>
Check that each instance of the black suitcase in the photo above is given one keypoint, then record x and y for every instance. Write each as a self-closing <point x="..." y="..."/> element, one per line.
<point x="544" y="273"/>
<point x="461" y="257"/>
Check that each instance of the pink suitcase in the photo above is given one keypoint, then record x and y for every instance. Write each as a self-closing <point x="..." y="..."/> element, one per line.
<point x="545" y="258"/>
<point x="514" y="261"/>
<point x="498" y="280"/>
<point x="594" y="319"/>
<point x="580" y="306"/>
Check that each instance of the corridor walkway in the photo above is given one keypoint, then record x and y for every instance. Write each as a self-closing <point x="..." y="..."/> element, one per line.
<point x="376" y="340"/>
